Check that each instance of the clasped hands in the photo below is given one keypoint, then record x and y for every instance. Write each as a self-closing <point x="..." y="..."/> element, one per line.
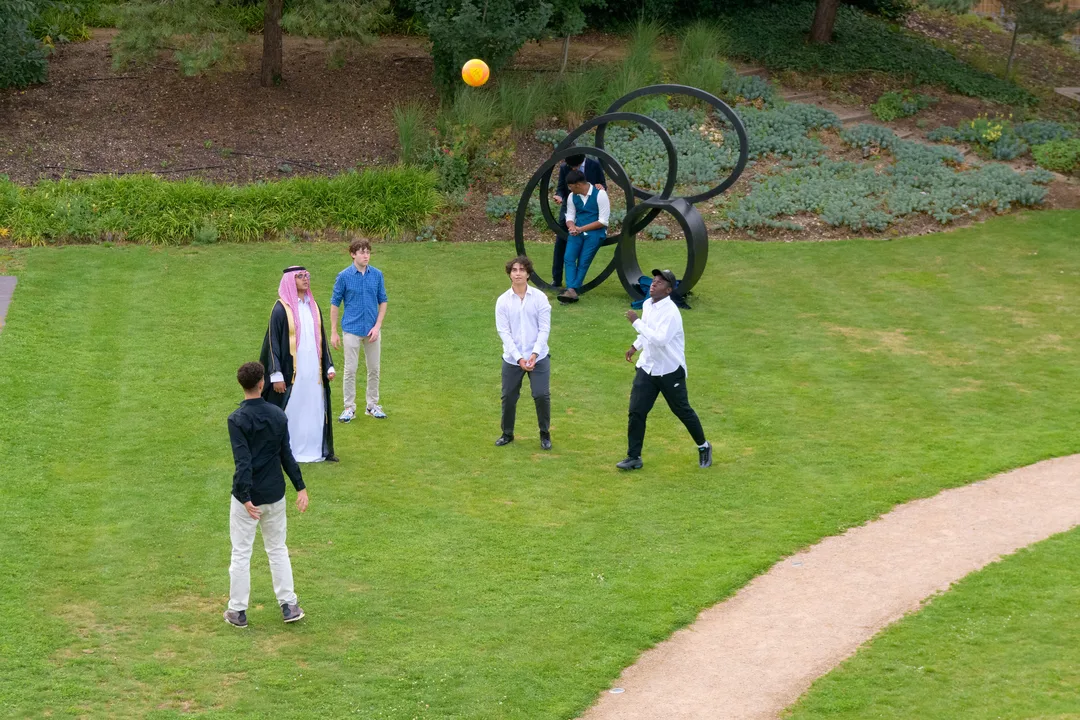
<point x="527" y="365"/>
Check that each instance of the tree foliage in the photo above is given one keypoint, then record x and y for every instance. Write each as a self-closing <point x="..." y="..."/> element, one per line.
<point x="206" y="34"/>
<point x="1048" y="19"/>
<point x="492" y="30"/>
<point x="22" y="56"/>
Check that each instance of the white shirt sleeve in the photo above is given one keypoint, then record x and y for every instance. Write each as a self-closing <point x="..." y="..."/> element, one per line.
<point x="543" y="321"/>
<point x="571" y="209"/>
<point x="603" y="206"/>
<point x="277" y="377"/>
<point x="502" y="325"/>
<point x="661" y="332"/>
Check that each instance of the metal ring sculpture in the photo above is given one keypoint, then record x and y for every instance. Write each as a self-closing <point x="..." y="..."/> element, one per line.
<point x="638" y="215"/>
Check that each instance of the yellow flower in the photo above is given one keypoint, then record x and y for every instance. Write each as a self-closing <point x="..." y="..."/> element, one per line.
<point x="4" y="232"/>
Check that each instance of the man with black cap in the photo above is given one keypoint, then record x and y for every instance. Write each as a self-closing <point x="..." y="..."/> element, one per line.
<point x="661" y="369"/>
<point x="299" y="367"/>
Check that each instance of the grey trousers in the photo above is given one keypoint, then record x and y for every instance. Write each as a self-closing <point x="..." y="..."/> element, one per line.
<point x="539" y="382"/>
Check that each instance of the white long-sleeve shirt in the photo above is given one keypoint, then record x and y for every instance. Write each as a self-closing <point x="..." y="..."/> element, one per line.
<point x="660" y="337"/>
<point x="524" y="324"/>
<point x="603" y="206"/>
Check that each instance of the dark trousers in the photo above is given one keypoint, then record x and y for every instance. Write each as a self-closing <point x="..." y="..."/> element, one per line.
<point x="643" y="395"/>
<point x="560" y="251"/>
<point x="539" y="383"/>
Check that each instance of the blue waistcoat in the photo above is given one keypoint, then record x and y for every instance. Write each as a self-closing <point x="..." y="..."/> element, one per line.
<point x="588" y="211"/>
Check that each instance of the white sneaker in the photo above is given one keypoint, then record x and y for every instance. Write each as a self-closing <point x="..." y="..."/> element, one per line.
<point x="346" y="416"/>
<point x="375" y="411"/>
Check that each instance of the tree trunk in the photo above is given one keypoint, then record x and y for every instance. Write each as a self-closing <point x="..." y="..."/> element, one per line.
<point x="565" y="53"/>
<point x="1012" y="49"/>
<point x="271" y="58"/>
<point x="824" y="20"/>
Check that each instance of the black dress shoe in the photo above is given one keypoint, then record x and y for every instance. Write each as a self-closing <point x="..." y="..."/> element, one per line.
<point x="705" y="455"/>
<point x="332" y="458"/>
<point x="545" y="441"/>
<point x="630" y="463"/>
<point x="504" y="439"/>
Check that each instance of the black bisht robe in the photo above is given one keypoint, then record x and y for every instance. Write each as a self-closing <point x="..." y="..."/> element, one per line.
<point x="279" y="355"/>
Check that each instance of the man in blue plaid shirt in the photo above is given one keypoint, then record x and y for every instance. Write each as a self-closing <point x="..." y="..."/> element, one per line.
<point x="363" y="291"/>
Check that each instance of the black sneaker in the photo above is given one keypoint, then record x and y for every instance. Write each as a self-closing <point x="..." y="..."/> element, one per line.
<point x="705" y="455"/>
<point x="504" y="439"/>
<point x="291" y="613"/>
<point x="236" y="618"/>
<point x="545" y="441"/>
<point x="630" y="463"/>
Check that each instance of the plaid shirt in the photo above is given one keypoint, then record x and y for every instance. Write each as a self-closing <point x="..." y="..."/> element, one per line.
<point x="362" y="293"/>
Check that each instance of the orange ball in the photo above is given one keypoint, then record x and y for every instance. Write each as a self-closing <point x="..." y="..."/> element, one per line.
<point x="475" y="72"/>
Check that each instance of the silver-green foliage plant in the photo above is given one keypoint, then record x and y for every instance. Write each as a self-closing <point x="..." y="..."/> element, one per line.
<point x="859" y="196"/>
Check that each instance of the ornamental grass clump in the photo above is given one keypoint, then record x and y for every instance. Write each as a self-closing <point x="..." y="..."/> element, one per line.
<point x="147" y="209"/>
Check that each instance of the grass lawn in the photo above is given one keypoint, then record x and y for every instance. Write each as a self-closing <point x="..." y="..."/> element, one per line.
<point x="447" y="578"/>
<point x="1002" y="643"/>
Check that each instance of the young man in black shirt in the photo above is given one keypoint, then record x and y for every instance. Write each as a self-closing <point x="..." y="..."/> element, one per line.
<point x="259" y="433"/>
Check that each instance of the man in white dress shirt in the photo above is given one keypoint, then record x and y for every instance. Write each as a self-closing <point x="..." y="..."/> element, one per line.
<point x="661" y="369"/>
<point x="523" y="320"/>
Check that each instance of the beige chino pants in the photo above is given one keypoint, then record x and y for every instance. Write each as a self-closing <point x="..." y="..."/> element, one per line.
<point x="242" y="531"/>
<point x="372" y="354"/>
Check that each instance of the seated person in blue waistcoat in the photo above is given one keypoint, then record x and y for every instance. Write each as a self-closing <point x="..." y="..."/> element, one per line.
<point x="587" y="213"/>
<point x="595" y="175"/>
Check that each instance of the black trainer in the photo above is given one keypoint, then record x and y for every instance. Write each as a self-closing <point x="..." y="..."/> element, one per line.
<point x="705" y="455"/>
<point x="630" y="463"/>
<point x="291" y="613"/>
<point x="545" y="441"/>
<point x="504" y="439"/>
<point x="236" y="618"/>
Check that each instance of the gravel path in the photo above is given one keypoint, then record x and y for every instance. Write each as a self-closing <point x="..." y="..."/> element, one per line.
<point x="756" y="653"/>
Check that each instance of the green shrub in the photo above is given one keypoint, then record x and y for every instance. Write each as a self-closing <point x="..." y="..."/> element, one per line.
<point x="411" y="122"/>
<point x="774" y="35"/>
<point x="22" y="56"/>
<point x="895" y="105"/>
<point x="1062" y="156"/>
<point x="147" y="209"/>
<point x="60" y="23"/>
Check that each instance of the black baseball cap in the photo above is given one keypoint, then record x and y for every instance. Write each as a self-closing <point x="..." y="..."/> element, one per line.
<point x="667" y="275"/>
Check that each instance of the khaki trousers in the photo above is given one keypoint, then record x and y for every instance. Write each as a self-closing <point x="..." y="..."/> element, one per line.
<point x="242" y="531"/>
<point x="372" y="354"/>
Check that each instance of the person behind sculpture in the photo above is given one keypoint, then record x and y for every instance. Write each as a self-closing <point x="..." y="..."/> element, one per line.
<point x="299" y="367"/>
<point x="523" y="321"/>
<point x="661" y="369"/>
<point x="594" y="173"/>
<point x="259" y="434"/>
<point x="587" y="214"/>
<point x="363" y="291"/>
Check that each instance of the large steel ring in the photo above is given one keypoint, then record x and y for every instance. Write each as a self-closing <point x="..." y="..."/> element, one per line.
<point x="697" y="245"/>
<point x="639" y="215"/>
<point x="602" y="121"/>
<point x="717" y="104"/>
<point x="621" y="179"/>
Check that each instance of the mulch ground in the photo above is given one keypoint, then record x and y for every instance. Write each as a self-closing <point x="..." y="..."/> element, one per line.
<point x="90" y="119"/>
